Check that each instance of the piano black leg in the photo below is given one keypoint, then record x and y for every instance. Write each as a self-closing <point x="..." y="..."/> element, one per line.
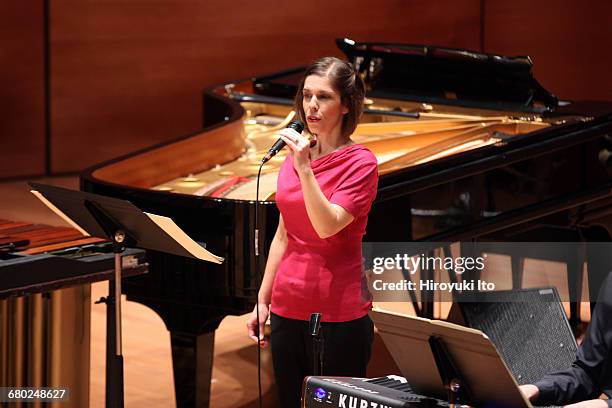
<point x="192" y="360"/>
<point x="427" y="296"/>
<point x="470" y="250"/>
<point x="599" y="262"/>
<point x="518" y="266"/>
<point x="575" y="274"/>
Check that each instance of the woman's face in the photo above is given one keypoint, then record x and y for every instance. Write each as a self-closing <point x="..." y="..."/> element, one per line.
<point x="322" y="106"/>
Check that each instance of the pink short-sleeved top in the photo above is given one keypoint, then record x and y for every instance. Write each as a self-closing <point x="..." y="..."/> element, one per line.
<point x="325" y="275"/>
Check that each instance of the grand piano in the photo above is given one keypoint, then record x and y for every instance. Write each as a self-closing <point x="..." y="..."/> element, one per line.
<point x="469" y="145"/>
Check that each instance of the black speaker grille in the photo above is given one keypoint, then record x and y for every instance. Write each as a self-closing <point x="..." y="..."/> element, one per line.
<point x="529" y="329"/>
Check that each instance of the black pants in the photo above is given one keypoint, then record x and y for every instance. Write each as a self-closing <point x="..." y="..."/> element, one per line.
<point x="347" y="349"/>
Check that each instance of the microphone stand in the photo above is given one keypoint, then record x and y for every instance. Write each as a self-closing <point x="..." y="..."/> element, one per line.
<point x="317" y="342"/>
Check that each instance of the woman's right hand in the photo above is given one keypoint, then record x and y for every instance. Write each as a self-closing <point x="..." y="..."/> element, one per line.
<point x="264" y="312"/>
<point x="300" y="148"/>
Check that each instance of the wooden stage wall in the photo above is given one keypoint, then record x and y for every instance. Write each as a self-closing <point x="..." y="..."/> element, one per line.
<point x="22" y="89"/>
<point x="125" y="75"/>
<point x="569" y="42"/>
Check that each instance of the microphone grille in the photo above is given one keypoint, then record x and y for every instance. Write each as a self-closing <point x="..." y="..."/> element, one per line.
<point x="297" y="125"/>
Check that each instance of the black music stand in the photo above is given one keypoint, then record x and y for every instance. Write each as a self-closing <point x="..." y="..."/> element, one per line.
<point x="125" y="225"/>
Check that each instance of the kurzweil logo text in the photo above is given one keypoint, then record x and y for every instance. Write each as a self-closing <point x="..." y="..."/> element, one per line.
<point x="348" y="401"/>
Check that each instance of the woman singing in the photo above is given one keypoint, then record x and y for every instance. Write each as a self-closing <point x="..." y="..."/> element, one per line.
<point x="324" y="195"/>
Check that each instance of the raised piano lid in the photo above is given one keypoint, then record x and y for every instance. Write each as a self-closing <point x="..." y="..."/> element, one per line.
<point x="221" y="161"/>
<point x="432" y="74"/>
<point x="224" y="157"/>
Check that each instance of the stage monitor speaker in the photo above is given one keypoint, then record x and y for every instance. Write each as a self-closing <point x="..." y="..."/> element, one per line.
<point x="528" y="327"/>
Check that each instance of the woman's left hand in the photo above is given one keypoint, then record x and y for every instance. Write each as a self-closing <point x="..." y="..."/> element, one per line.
<point x="300" y="148"/>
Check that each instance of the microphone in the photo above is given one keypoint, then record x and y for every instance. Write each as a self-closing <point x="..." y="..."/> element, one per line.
<point x="298" y="126"/>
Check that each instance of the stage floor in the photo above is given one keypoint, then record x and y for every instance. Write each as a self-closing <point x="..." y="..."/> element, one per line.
<point x="146" y="342"/>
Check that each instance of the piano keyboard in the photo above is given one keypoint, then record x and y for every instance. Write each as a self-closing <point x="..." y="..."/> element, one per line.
<point x="343" y="392"/>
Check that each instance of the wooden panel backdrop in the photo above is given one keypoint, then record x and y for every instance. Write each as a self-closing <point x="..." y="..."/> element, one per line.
<point x="22" y="124"/>
<point x="570" y="42"/>
<point x="125" y="75"/>
<point x="130" y="74"/>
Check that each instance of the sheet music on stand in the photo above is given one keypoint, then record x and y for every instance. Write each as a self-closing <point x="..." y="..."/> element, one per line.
<point x="162" y="234"/>
<point x="470" y="353"/>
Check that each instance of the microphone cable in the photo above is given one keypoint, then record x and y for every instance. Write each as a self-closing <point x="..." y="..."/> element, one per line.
<point x="259" y="278"/>
<point x="298" y="126"/>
